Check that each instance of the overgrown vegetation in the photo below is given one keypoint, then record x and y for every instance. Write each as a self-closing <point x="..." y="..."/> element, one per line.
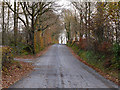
<point x="107" y="61"/>
<point x="12" y="70"/>
<point x="8" y="60"/>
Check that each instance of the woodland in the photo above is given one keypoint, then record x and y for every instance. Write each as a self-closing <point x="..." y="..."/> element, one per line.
<point x="92" y="30"/>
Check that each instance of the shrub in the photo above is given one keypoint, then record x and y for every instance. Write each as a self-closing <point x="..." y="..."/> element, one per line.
<point x="75" y="47"/>
<point x="22" y="49"/>
<point x="83" y="43"/>
<point x="8" y="59"/>
<point x="116" y="59"/>
<point x="107" y="63"/>
<point x="105" y="47"/>
<point x="7" y="55"/>
<point x="95" y="46"/>
<point x="83" y="55"/>
<point x="24" y="52"/>
<point x="91" y="56"/>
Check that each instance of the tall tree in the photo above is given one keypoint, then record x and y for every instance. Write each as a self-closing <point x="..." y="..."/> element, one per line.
<point x="32" y="12"/>
<point x="119" y="19"/>
<point x="3" y="24"/>
<point x="89" y="20"/>
<point x="86" y="21"/>
<point x="15" y="23"/>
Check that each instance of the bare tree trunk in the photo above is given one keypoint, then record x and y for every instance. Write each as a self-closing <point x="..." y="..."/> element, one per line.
<point x="116" y="32"/>
<point x="8" y="20"/>
<point x="88" y="38"/>
<point x="81" y="19"/>
<point x="15" y="24"/>
<point x="3" y="24"/>
<point x="86" y="20"/>
<point x="118" y="15"/>
<point x="32" y="32"/>
<point x="69" y="32"/>
<point x="89" y="22"/>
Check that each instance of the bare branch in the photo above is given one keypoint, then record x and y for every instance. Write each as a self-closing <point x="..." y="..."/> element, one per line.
<point x="15" y="12"/>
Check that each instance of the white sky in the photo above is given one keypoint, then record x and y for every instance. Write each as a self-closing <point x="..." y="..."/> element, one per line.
<point x="64" y="3"/>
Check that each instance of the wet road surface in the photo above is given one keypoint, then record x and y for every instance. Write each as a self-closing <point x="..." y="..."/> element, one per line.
<point x="58" y="68"/>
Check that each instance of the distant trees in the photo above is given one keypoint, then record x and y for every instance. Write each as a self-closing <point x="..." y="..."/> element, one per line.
<point x="71" y="24"/>
<point x="67" y="22"/>
<point x="98" y="40"/>
<point x="97" y="21"/>
<point x="48" y="28"/>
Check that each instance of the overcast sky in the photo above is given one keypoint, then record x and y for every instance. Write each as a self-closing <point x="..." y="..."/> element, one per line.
<point x="64" y="3"/>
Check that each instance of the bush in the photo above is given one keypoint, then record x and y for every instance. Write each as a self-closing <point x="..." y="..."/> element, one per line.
<point x="75" y="47"/>
<point x="7" y="58"/>
<point x="105" y="47"/>
<point x="103" y="55"/>
<point x="82" y="54"/>
<point x="116" y="59"/>
<point x="83" y="43"/>
<point x="91" y="56"/>
<point x="95" y="46"/>
<point x="7" y="55"/>
<point x="22" y="49"/>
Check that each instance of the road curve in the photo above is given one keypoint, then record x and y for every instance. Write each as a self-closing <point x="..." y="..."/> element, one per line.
<point x="58" y="68"/>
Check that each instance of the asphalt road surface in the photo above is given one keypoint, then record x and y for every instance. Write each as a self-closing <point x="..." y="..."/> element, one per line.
<point x="58" y="68"/>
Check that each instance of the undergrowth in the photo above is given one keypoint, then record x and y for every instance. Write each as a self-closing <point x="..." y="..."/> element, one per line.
<point x="107" y="63"/>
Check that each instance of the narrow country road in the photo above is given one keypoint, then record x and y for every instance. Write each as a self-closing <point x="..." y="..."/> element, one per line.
<point x="58" y="68"/>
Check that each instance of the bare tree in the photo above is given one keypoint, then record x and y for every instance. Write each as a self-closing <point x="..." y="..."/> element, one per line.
<point x="32" y="12"/>
<point x="3" y="24"/>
